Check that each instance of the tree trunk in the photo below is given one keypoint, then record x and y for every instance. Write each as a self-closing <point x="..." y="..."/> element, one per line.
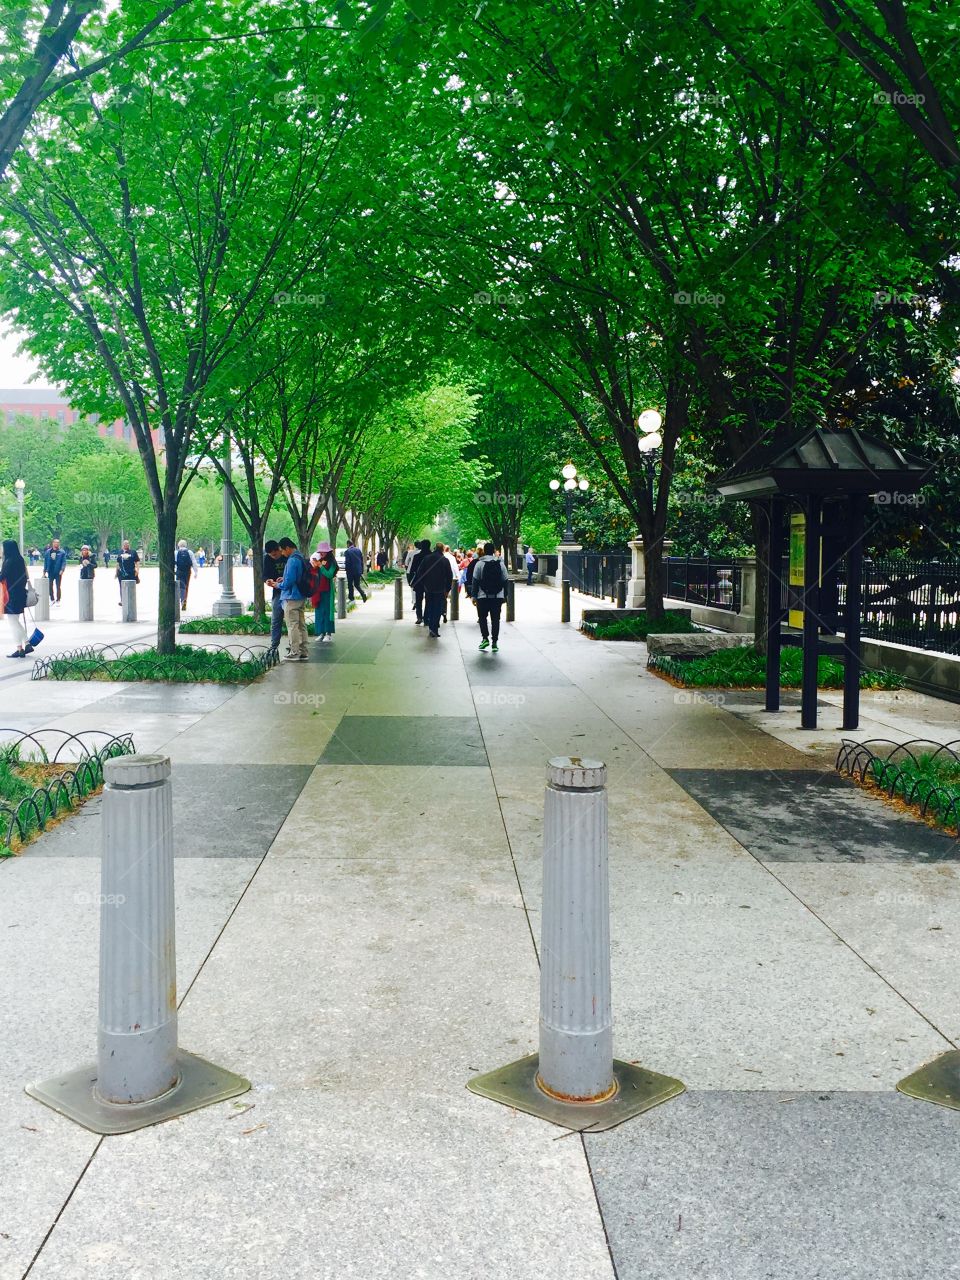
<point x="167" y="550"/>
<point x="654" y="575"/>
<point x="256" y="541"/>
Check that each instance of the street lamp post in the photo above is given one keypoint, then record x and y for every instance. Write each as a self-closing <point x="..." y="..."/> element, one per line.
<point x="228" y="606"/>
<point x="571" y="483"/>
<point x="20" y="486"/>
<point x="648" y="442"/>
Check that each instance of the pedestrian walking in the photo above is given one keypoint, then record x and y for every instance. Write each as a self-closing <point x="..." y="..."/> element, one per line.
<point x="127" y="569"/>
<point x="488" y="586"/>
<point x="381" y="560"/>
<point x="353" y="568"/>
<point x="185" y="567"/>
<point x="273" y="566"/>
<point x="202" y="556"/>
<point x="54" y="563"/>
<point x="296" y="587"/>
<point x="13" y="596"/>
<point x="530" y="560"/>
<point x="422" y="549"/>
<point x="435" y="578"/>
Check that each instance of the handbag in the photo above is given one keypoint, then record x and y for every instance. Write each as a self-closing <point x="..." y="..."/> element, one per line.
<point x="32" y="597"/>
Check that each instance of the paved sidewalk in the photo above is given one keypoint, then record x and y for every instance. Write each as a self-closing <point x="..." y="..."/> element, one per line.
<point x="358" y="858"/>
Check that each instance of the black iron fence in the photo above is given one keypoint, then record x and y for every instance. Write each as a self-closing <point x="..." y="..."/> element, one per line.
<point x="705" y="580"/>
<point x="596" y="573"/>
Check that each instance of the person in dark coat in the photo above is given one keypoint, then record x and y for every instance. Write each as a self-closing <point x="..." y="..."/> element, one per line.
<point x="423" y="549"/>
<point x="54" y="563"/>
<point x="13" y="596"/>
<point x="353" y="568"/>
<point x="435" y="578"/>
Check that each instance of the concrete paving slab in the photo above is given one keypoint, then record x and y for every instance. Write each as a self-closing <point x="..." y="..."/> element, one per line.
<point x="736" y="1185"/>
<point x="406" y="740"/>
<point x="801" y="816"/>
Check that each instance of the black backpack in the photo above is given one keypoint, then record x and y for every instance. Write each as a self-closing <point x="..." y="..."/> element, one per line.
<point x="491" y="577"/>
<point x="184" y="563"/>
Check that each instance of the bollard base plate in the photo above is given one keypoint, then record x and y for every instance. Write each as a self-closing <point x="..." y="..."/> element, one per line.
<point x="937" y="1081"/>
<point x="200" y="1085"/>
<point x="515" y="1086"/>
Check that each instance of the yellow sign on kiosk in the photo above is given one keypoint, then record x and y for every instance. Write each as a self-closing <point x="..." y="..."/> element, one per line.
<point x="798" y="548"/>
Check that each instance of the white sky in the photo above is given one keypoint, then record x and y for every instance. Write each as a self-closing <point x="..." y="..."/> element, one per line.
<point x="14" y="370"/>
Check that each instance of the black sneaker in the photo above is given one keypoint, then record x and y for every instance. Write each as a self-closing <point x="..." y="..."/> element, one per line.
<point x="17" y="653"/>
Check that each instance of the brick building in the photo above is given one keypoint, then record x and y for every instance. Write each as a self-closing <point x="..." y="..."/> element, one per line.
<point x="44" y="403"/>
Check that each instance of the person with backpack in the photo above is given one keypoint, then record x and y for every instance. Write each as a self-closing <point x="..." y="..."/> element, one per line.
<point x="54" y="563"/>
<point x="185" y="566"/>
<point x="13" y="596"/>
<point x="324" y="564"/>
<point x="296" y="587"/>
<point x="422" y="549"/>
<point x="488" y="587"/>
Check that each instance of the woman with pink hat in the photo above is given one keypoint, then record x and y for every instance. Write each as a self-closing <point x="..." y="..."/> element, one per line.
<point x="323" y="599"/>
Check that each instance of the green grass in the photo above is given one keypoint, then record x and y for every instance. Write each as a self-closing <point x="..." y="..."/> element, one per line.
<point x="188" y="664"/>
<point x="383" y="575"/>
<point x="23" y="776"/>
<point x="746" y="669"/>
<point x="246" y="624"/>
<point x="933" y="784"/>
<point x="640" y="628"/>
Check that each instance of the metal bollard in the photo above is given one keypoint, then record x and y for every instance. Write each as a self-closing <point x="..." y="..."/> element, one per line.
<point x="564" y="601"/>
<point x="128" y="600"/>
<point x="574" y="1080"/>
<point x="42" y="611"/>
<point x="341" y="598"/>
<point x="453" y="607"/>
<point x="511" y="602"/>
<point x="86" y="599"/>
<point x="398" y="597"/>
<point x="622" y="593"/>
<point x="141" y="1076"/>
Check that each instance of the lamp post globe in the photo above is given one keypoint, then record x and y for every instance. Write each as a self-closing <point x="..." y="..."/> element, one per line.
<point x="569" y="471"/>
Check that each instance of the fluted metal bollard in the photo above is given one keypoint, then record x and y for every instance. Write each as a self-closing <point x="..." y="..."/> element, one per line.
<point x="86" y="599"/>
<point x="42" y="611"/>
<point x="341" y="598"/>
<point x="511" y="602"/>
<point x="564" y="601"/>
<point x="453" y="611"/>
<point x="128" y="600"/>
<point x="574" y="1080"/>
<point x="141" y="1076"/>
<point x="398" y="597"/>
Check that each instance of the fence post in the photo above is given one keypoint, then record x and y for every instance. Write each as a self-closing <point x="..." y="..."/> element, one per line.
<point x="128" y="600"/>
<point x="140" y="1077"/>
<point x="398" y="597"/>
<point x="341" y="598"/>
<point x="511" y="602"/>
<point x="564" y="601"/>
<point x="86" y="599"/>
<point x="453" y="606"/>
<point x="574" y="1080"/>
<point x="42" y="611"/>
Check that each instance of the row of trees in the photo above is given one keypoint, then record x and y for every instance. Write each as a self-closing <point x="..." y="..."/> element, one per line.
<point x="327" y="235"/>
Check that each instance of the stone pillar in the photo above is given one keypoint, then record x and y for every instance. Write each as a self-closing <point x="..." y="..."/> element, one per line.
<point x="637" y="583"/>
<point x="42" y="612"/>
<point x="341" y="598"/>
<point x="86" y="599"/>
<point x="565" y="546"/>
<point x="128" y="600"/>
<point x="748" y="587"/>
<point x="398" y="597"/>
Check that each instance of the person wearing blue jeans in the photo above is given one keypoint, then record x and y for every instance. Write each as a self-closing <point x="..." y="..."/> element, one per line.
<point x="273" y="567"/>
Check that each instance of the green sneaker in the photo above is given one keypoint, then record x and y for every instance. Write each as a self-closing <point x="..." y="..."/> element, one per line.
<point x="484" y="644"/>
<point x="494" y="649"/>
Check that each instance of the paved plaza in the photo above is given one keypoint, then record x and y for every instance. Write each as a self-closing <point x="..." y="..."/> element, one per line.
<point x="358" y="846"/>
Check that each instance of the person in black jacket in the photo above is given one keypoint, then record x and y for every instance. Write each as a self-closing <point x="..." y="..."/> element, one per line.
<point x="353" y="567"/>
<point x="273" y="567"/>
<point x="413" y="575"/>
<point x="13" y="592"/>
<point x="435" y="578"/>
<point x="488" y="587"/>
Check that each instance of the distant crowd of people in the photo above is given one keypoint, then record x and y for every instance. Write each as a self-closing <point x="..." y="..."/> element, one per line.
<point x="434" y="572"/>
